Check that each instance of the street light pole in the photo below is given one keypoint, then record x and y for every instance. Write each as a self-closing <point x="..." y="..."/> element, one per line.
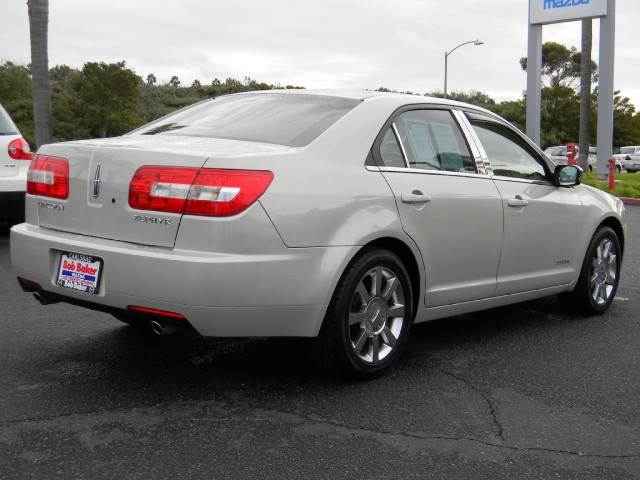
<point x="446" y="62"/>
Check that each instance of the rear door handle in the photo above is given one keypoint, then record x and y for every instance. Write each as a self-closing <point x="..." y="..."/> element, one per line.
<point x="415" y="198"/>
<point x="518" y="202"/>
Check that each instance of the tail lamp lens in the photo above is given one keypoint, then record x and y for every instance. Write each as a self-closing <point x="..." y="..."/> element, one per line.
<point x="197" y="191"/>
<point x="19" y="149"/>
<point x="48" y="177"/>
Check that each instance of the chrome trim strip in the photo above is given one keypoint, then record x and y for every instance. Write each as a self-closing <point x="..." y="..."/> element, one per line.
<point x="464" y="126"/>
<point x="404" y="152"/>
<point x="434" y="172"/>
<point x="484" y="158"/>
<point x="522" y="180"/>
<point x="372" y="169"/>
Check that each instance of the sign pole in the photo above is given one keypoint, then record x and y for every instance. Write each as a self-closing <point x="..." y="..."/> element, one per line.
<point x="606" y="88"/>
<point x="534" y="83"/>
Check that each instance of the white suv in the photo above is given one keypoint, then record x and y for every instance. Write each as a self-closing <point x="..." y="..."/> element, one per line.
<point x="15" y="158"/>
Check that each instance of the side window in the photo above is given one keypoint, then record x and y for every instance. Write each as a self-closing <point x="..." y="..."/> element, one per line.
<point x="390" y="151"/>
<point x="509" y="155"/>
<point x="433" y="141"/>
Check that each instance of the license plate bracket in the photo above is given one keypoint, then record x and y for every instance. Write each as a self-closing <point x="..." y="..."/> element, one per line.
<point x="79" y="272"/>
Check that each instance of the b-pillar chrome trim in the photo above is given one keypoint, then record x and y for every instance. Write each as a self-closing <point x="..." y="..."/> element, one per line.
<point x="477" y="150"/>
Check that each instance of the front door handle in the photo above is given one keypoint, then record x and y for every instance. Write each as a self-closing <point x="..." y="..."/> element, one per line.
<point x="518" y="202"/>
<point x="415" y="198"/>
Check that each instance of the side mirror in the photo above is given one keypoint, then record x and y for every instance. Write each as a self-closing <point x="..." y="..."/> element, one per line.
<point x="568" y="175"/>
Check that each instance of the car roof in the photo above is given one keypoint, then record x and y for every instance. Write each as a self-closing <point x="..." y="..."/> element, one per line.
<point x="394" y="99"/>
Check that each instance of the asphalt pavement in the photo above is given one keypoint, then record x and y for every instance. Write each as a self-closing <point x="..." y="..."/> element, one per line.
<point x="520" y="392"/>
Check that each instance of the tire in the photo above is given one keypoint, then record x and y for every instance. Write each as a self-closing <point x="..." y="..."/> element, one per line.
<point x="618" y="169"/>
<point x="590" y="168"/>
<point x="368" y="320"/>
<point x="583" y="297"/>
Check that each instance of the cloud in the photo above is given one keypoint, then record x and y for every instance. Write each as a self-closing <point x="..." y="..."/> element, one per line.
<point x="324" y="44"/>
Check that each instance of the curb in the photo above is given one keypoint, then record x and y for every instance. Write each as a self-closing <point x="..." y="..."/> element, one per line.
<point x="630" y="201"/>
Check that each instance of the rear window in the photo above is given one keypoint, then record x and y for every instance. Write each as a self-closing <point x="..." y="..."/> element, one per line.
<point x="7" y="127"/>
<point x="293" y="120"/>
<point x="556" y="151"/>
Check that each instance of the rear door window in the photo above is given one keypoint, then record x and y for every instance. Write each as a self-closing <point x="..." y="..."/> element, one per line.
<point x="432" y="140"/>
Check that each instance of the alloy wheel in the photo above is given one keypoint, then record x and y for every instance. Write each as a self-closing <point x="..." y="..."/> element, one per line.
<point x="377" y="315"/>
<point x="604" y="272"/>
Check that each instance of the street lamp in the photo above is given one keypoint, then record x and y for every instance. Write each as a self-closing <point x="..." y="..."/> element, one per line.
<point x="446" y="61"/>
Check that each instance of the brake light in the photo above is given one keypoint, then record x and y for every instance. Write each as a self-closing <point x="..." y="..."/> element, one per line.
<point x="207" y="192"/>
<point x="48" y="177"/>
<point x="19" y="149"/>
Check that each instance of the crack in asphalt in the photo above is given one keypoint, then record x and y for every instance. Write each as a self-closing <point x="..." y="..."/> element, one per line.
<point x="487" y="399"/>
<point x="353" y="430"/>
<point x="421" y="436"/>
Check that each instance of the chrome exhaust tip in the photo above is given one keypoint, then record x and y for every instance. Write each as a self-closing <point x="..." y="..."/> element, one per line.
<point x="161" y="329"/>
<point x="42" y="299"/>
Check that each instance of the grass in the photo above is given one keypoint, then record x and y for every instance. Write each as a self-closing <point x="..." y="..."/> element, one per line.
<point x="627" y="184"/>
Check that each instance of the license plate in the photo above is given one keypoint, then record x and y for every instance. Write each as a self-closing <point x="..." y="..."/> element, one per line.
<point x="79" y="272"/>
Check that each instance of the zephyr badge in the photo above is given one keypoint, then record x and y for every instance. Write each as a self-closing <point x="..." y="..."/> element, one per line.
<point x="96" y="181"/>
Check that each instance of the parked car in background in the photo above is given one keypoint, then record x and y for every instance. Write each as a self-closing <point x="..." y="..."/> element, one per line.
<point x="630" y="158"/>
<point x="559" y="156"/>
<point x="15" y="158"/>
<point x="341" y="216"/>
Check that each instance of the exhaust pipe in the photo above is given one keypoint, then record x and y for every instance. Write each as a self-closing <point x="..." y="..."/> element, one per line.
<point x="162" y="329"/>
<point x="43" y="299"/>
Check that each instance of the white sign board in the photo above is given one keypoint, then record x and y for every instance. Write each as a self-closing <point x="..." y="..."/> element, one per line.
<point x="555" y="11"/>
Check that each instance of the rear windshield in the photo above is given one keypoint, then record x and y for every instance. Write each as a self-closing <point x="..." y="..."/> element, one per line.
<point x="627" y="150"/>
<point x="7" y="127"/>
<point x="293" y="120"/>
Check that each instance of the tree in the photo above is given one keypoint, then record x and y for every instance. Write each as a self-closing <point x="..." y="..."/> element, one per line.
<point x="585" y="92"/>
<point x="151" y="79"/>
<point x="174" y="82"/>
<point x="38" y="28"/>
<point x="105" y="97"/>
<point x="560" y="64"/>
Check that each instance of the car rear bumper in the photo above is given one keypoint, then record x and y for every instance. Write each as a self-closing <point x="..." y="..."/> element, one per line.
<point x="223" y="295"/>
<point x="12" y="205"/>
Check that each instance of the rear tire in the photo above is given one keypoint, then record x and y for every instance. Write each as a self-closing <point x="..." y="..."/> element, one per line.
<point x="368" y="320"/>
<point x="618" y="169"/>
<point x="600" y="275"/>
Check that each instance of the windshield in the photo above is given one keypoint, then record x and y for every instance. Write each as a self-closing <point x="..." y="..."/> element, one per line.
<point x="627" y="150"/>
<point x="293" y="120"/>
<point x="7" y="127"/>
<point x="556" y="151"/>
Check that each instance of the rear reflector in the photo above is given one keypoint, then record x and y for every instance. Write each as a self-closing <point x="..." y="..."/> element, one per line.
<point x="207" y="192"/>
<point x="29" y="285"/>
<point x="48" y="177"/>
<point x="19" y="149"/>
<point x="154" y="311"/>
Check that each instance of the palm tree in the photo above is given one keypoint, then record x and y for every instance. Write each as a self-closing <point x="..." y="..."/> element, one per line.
<point x="585" y="92"/>
<point x="39" y="26"/>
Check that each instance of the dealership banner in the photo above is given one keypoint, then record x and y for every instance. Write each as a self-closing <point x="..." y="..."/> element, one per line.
<point x="555" y="11"/>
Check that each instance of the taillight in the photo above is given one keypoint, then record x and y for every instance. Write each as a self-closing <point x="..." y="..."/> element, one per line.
<point x="208" y="192"/>
<point x="48" y="177"/>
<point x="19" y="149"/>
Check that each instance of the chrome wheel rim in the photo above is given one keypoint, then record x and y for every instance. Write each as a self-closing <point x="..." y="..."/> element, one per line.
<point x="604" y="272"/>
<point x="377" y="315"/>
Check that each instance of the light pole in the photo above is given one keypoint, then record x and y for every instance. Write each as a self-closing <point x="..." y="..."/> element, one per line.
<point x="446" y="61"/>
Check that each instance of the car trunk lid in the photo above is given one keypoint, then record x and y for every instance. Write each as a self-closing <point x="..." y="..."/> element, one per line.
<point x="100" y="173"/>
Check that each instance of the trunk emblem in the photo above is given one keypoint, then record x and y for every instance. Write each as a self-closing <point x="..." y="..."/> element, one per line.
<point x="96" y="181"/>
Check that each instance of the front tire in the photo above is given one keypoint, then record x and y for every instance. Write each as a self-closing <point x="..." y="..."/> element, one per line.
<point x="599" y="277"/>
<point x="368" y="321"/>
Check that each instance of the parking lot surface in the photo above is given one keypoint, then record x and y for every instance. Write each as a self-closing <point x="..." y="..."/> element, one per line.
<point x="520" y="392"/>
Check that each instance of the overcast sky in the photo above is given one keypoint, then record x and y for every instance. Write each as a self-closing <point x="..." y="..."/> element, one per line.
<point x="398" y="44"/>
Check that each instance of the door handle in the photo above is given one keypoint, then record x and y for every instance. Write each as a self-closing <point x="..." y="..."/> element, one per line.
<point x="518" y="202"/>
<point x="415" y="198"/>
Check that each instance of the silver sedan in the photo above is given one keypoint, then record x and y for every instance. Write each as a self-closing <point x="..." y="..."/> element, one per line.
<point x="341" y="216"/>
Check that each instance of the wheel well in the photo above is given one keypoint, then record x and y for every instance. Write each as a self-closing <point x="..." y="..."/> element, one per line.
<point x="408" y="258"/>
<point x="616" y="226"/>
